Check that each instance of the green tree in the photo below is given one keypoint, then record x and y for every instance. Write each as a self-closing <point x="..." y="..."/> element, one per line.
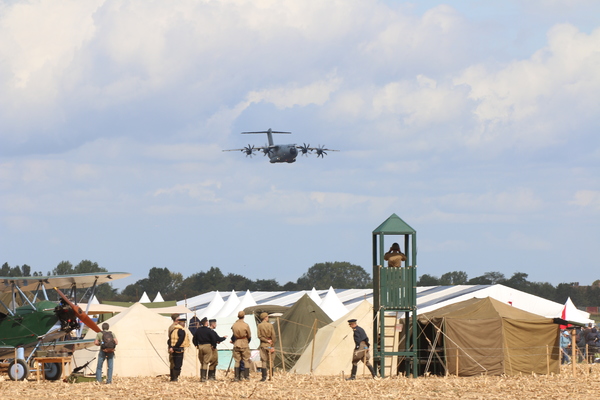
<point x="479" y="280"/>
<point x="454" y="278"/>
<point x="63" y="268"/>
<point x="340" y="275"/>
<point x="428" y="280"/>
<point x="494" y="277"/>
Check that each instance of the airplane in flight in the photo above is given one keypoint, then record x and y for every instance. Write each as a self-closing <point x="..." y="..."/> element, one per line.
<point x="282" y="153"/>
<point x="31" y="322"/>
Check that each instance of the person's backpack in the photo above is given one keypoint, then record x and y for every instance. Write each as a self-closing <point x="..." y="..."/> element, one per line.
<point x="108" y="342"/>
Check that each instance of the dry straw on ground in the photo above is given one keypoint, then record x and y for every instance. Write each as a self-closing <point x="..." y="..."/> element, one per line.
<point x="585" y="385"/>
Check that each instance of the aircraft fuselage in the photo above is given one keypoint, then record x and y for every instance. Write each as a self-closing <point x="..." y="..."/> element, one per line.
<point x="283" y="153"/>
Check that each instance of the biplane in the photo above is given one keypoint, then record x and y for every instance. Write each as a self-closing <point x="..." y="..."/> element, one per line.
<point x="32" y="323"/>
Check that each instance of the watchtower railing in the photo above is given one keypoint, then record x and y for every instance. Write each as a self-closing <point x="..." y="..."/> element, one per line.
<point x="397" y="288"/>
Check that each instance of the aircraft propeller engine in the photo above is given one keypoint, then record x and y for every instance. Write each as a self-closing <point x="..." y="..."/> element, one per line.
<point x="267" y="150"/>
<point x="304" y="149"/>
<point x="320" y="151"/>
<point x="249" y="151"/>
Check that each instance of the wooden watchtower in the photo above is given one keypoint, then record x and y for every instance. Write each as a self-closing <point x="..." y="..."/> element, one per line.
<point x="394" y="300"/>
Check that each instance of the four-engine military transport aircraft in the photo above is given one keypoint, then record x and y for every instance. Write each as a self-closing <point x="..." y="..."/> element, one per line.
<point x="30" y="322"/>
<point x="280" y="153"/>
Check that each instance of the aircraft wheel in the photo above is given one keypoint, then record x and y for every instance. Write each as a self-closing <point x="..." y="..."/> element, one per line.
<point x="18" y="370"/>
<point x="52" y="371"/>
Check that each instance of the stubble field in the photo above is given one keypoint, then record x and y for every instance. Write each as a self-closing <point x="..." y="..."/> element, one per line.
<point x="585" y="385"/>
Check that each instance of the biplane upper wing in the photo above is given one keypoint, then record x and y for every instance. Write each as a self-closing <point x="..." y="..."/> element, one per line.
<point x="29" y="283"/>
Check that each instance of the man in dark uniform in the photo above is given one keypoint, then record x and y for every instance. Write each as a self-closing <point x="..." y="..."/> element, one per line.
<point x="178" y="341"/>
<point x="214" y="359"/>
<point x="202" y="340"/>
<point x="361" y="349"/>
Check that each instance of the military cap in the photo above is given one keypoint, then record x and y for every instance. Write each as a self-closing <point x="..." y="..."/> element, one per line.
<point x="182" y="317"/>
<point x="350" y="321"/>
<point x="203" y="321"/>
<point x="263" y="315"/>
<point x="241" y="314"/>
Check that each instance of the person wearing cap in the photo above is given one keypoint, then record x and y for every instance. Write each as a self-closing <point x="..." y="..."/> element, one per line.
<point x="266" y="334"/>
<point x="177" y="342"/>
<point x="214" y="358"/>
<point x="361" y="349"/>
<point x="203" y="341"/>
<point x="394" y="257"/>
<point x="241" y="346"/>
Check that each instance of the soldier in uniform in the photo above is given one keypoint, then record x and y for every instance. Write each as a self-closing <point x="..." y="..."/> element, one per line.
<point x="266" y="334"/>
<point x="202" y="340"/>
<point x="394" y="257"/>
<point x="361" y="349"/>
<point x="241" y="348"/>
<point x="177" y="342"/>
<point x="214" y="359"/>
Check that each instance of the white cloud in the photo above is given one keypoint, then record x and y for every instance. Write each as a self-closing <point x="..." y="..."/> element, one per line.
<point x="537" y="102"/>
<point x="589" y="199"/>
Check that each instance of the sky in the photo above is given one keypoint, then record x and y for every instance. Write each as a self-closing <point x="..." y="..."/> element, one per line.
<point x="476" y="122"/>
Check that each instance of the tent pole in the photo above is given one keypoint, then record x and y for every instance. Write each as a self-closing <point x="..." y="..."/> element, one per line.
<point x="280" y="343"/>
<point x="548" y="359"/>
<point x="574" y="351"/>
<point x="312" y="354"/>
<point x="457" y="361"/>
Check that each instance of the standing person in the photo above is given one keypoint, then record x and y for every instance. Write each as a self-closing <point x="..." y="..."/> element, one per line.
<point x="107" y="342"/>
<point x="202" y="340"/>
<point x="394" y="257"/>
<point x="266" y="334"/>
<point x="177" y="342"/>
<point x="214" y="359"/>
<point x="241" y="346"/>
<point x="565" y="345"/>
<point x="361" y="349"/>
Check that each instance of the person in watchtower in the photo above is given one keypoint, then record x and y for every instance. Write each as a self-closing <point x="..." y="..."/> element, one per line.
<point x="394" y="257"/>
<point x="107" y="342"/>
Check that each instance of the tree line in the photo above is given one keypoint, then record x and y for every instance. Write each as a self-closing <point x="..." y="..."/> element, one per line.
<point x="173" y="286"/>
<point x="340" y="275"/>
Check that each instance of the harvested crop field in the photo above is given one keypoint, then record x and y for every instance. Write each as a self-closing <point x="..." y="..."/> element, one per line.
<point x="585" y="385"/>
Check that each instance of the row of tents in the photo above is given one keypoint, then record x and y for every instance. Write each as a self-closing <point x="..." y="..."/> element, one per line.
<point x="468" y="333"/>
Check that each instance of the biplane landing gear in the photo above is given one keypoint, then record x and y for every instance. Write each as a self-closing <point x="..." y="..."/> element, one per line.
<point x="53" y="371"/>
<point x="18" y="370"/>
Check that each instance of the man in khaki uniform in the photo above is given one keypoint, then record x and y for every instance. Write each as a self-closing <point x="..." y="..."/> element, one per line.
<point x="241" y="346"/>
<point x="266" y="334"/>
<point x="394" y="257"/>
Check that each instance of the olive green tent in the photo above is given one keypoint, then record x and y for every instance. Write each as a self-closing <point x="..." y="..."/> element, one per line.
<point x="485" y="336"/>
<point x="296" y="328"/>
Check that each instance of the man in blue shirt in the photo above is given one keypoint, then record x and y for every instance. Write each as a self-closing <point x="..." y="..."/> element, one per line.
<point x="361" y="349"/>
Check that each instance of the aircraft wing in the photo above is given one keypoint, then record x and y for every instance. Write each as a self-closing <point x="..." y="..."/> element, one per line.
<point x="29" y="283"/>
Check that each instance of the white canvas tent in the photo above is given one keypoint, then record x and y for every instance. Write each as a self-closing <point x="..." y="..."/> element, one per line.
<point x="246" y="301"/>
<point x="213" y="307"/>
<point x="142" y="348"/>
<point x="158" y="298"/>
<point x="144" y="298"/>
<point x="334" y="344"/>
<point x="314" y="295"/>
<point x="229" y="305"/>
<point x="332" y="305"/>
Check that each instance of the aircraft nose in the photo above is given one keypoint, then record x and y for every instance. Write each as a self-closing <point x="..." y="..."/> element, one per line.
<point x="293" y="151"/>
